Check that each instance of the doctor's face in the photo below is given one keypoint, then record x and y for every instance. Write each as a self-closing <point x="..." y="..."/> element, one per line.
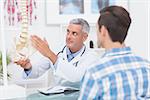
<point x="75" y="37"/>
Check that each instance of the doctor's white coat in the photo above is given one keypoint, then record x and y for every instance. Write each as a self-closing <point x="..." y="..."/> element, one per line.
<point x="72" y="71"/>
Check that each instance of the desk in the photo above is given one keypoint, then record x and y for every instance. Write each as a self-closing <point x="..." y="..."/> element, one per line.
<point x="62" y="96"/>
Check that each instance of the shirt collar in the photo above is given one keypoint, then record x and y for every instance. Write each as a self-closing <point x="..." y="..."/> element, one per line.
<point x="74" y="54"/>
<point x="117" y="51"/>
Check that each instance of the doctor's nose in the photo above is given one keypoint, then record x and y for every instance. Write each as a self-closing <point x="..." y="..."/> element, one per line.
<point x="69" y="35"/>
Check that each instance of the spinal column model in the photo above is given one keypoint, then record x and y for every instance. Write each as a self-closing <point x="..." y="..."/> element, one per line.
<point x="23" y="40"/>
<point x="23" y="47"/>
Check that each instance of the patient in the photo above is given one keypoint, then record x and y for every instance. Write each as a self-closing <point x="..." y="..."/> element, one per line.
<point x="119" y="74"/>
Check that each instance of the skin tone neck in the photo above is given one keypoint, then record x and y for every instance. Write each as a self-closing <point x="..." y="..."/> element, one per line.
<point x="73" y="50"/>
<point x="110" y="44"/>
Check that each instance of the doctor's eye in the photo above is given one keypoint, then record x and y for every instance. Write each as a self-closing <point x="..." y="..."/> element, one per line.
<point x="68" y="31"/>
<point x="74" y="33"/>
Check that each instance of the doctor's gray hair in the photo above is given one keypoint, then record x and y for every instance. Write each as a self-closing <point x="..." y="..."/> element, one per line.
<point x="83" y="23"/>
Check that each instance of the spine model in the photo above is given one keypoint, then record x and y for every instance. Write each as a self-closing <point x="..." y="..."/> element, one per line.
<point x="23" y="39"/>
<point x="23" y="45"/>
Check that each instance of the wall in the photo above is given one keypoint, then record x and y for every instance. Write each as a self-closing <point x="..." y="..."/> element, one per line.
<point x="138" y="35"/>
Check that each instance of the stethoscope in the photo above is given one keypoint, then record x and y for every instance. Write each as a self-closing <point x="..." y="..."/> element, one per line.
<point x="76" y="63"/>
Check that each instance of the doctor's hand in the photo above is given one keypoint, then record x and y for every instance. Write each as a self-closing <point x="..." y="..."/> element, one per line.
<point x="24" y="63"/>
<point x="40" y="45"/>
<point x="43" y="48"/>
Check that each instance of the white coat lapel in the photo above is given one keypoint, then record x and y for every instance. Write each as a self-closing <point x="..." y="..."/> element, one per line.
<point x="62" y="54"/>
<point x="65" y="54"/>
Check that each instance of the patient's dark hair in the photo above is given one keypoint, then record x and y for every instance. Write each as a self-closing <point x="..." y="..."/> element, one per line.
<point x="117" y="21"/>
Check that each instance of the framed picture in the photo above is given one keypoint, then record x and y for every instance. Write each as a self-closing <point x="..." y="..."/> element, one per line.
<point x="67" y="7"/>
<point x="62" y="11"/>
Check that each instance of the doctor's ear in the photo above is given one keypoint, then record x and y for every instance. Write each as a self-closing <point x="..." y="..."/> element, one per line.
<point x="85" y="35"/>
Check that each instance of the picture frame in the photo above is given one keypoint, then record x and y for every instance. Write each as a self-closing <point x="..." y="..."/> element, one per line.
<point x="53" y="15"/>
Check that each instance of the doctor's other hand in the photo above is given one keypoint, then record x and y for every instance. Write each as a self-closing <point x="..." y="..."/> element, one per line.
<point x="24" y="63"/>
<point x="41" y="45"/>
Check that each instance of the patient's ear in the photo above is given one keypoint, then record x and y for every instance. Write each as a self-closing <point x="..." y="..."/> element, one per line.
<point x="104" y="31"/>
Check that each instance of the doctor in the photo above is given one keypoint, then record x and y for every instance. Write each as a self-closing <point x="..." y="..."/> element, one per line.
<point x="71" y="62"/>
